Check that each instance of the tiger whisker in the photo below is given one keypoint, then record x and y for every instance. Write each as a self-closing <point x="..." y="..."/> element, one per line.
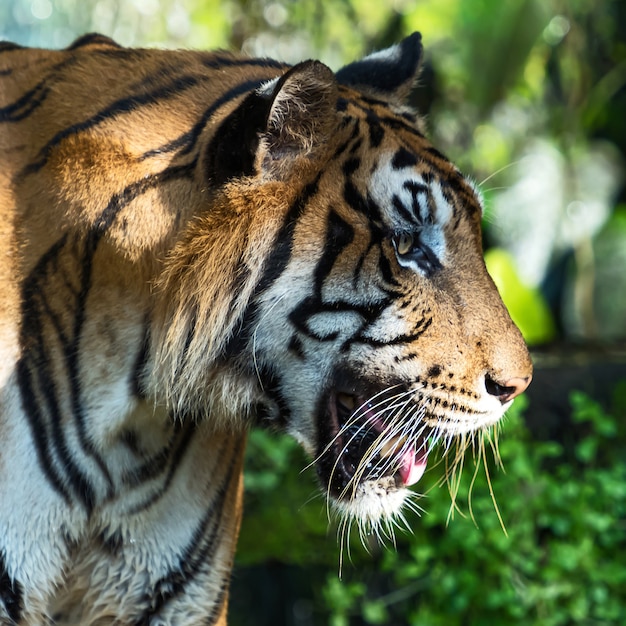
<point x="499" y="171"/>
<point x="491" y="492"/>
<point x="347" y="443"/>
<point x="352" y="420"/>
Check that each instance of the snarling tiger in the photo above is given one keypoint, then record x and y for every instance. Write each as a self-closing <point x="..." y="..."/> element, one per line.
<point x="193" y="242"/>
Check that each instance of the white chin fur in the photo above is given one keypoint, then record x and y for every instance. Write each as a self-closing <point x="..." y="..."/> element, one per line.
<point x="376" y="501"/>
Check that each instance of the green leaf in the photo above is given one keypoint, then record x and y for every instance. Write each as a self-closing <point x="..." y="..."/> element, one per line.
<point x="526" y="305"/>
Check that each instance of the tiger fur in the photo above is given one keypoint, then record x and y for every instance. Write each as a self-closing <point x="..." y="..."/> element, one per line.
<point x="193" y="242"/>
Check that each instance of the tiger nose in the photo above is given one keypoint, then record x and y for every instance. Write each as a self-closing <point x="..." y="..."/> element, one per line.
<point x="508" y="390"/>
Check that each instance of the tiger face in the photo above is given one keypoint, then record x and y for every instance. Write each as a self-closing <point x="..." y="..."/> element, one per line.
<point x="371" y="330"/>
<point x="396" y="336"/>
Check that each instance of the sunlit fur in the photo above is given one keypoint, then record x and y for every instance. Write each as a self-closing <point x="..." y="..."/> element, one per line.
<point x="195" y="242"/>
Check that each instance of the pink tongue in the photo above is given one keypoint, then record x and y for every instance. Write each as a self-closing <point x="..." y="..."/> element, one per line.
<point x="413" y="466"/>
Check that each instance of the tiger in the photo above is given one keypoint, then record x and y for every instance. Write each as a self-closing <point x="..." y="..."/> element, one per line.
<point x="194" y="243"/>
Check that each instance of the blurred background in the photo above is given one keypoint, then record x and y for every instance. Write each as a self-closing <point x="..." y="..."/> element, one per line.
<point x="529" y="98"/>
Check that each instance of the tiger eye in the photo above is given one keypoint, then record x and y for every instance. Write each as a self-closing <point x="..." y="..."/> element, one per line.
<point x="404" y="243"/>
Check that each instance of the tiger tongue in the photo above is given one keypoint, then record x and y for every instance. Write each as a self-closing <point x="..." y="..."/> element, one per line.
<point x="412" y="466"/>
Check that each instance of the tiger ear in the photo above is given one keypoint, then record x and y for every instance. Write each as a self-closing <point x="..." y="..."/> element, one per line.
<point x="290" y="116"/>
<point x="300" y="118"/>
<point x="390" y="74"/>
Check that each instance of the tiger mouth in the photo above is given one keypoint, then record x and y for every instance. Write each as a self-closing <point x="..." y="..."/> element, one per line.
<point x="358" y="447"/>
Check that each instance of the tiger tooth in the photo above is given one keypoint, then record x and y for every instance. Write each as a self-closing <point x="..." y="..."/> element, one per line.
<point x="392" y="446"/>
<point x="347" y="401"/>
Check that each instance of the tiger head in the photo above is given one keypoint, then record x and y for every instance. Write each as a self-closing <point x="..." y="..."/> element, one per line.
<point x="336" y="287"/>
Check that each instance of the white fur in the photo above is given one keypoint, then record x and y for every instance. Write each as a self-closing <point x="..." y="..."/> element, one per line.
<point x="434" y="211"/>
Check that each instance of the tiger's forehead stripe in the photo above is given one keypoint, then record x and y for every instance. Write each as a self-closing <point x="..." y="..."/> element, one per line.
<point x="415" y="151"/>
<point x="380" y="113"/>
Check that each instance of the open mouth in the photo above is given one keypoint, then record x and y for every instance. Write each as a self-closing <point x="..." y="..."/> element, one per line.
<point x="367" y="441"/>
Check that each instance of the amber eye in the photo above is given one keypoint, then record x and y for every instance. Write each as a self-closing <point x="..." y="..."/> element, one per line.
<point x="413" y="253"/>
<point x="404" y="243"/>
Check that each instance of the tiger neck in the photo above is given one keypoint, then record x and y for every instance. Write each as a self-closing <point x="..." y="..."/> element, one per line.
<point x="176" y="511"/>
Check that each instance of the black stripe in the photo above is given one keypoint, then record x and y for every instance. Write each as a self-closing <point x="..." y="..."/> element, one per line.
<point x="159" y="75"/>
<point x="283" y="244"/>
<point x="416" y="190"/>
<point x="35" y="97"/>
<point x="140" y="364"/>
<point x="119" y="201"/>
<point x="409" y="117"/>
<point x="156" y="464"/>
<point x="34" y="370"/>
<point x="403" y="158"/>
<point x="353" y="198"/>
<point x="39" y="430"/>
<point x="190" y="138"/>
<point x="374" y="214"/>
<point x="344" y="146"/>
<point x="339" y="235"/>
<point x="434" y="152"/>
<point x="366" y="206"/>
<point x="392" y="121"/>
<point x="11" y="592"/>
<point x="274" y="266"/>
<point x="37" y="360"/>
<point x="308" y="308"/>
<point x="463" y="192"/>
<point x="296" y="347"/>
<point x="350" y="166"/>
<point x="71" y="350"/>
<point x="123" y="105"/>
<point x="272" y="389"/>
<point x="151" y="468"/>
<point x="175" y="455"/>
<point x="409" y="217"/>
<point x="198" y="553"/>
<point x="92" y="39"/>
<point x="218" y="62"/>
<point x="358" y="268"/>
<point x="72" y="355"/>
<point x="396" y="123"/>
<point x="8" y="46"/>
<point x="414" y="187"/>
<point x="376" y="131"/>
<point x="418" y="331"/>
<point x="369" y="312"/>
<point x="24" y="106"/>
<point x="386" y="272"/>
<point x="79" y="483"/>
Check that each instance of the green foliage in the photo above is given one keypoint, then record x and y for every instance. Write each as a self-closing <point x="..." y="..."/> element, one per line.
<point x="283" y="498"/>
<point x="559" y="563"/>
